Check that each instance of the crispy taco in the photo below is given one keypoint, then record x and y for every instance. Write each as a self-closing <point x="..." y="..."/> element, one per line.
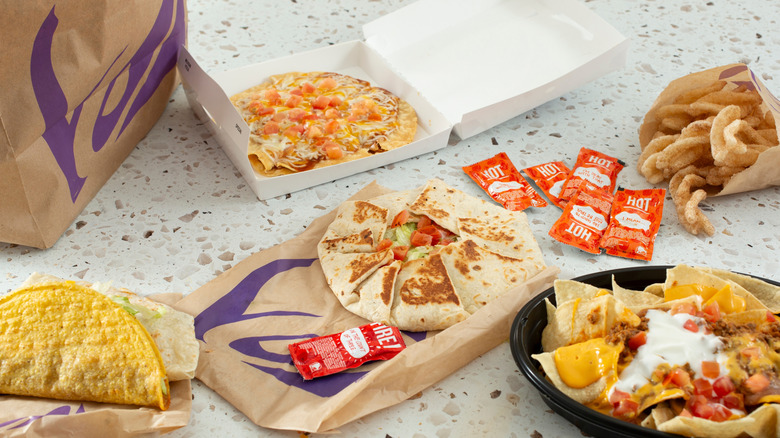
<point x="70" y="341"/>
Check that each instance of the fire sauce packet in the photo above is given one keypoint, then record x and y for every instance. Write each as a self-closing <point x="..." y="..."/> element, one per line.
<point x="502" y="181"/>
<point x="636" y="218"/>
<point x="351" y="348"/>
<point x="549" y="177"/>
<point x="598" y="168"/>
<point x="584" y="218"/>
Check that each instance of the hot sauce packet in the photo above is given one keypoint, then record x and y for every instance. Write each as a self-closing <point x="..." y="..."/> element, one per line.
<point x="598" y="168"/>
<point x="351" y="348"/>
<point x="549" y="177"/>
<point x="502" y="181"/>
<point x="584" y="218"/>
<point x="636" y="218"/>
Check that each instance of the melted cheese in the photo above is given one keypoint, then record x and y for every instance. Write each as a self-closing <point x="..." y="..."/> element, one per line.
<point x="582" y="364"/>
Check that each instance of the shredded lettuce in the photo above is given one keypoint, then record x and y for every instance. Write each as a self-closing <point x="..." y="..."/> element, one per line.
<point x="135" y="310"/>
<point x="401" y="235"/>
<point x="418" y="252"/>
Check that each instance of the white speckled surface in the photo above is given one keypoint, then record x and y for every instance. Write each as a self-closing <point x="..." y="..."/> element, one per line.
<point x="177" y="213"/>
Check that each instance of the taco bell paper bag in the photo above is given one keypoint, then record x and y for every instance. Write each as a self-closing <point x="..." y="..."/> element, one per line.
<point x="246" y="317"/>
<point x="82" y="83"/>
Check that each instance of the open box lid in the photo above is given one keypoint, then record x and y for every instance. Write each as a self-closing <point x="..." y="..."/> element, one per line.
<point x="484" y="62"/>
<point x="466" y="67"/>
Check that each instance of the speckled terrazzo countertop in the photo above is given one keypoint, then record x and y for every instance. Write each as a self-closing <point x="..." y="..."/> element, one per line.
<point x="177" y="213"/>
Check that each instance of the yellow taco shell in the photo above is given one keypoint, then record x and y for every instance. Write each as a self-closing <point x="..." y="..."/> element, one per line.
<point x="69" y="342"/>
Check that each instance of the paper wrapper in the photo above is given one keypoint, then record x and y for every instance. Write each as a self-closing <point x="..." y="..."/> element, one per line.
<point x="33" y="417"/>
<point x="82" y="84"/>
<point x="766" y="171"/>
<point x="245" y="318"/>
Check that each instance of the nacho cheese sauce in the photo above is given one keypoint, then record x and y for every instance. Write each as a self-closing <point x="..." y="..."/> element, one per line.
<point x="669" y="342"/>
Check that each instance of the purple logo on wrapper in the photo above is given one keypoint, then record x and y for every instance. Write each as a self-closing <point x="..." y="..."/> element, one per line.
<point x="231" y="308"/>
<point x="60" y="132"/>
<point x="24" y="421"/>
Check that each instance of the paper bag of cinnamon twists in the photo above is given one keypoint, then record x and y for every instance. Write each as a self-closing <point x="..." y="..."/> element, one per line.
<point x="711" y="133"/>
<point x="246" y="318"/>
<point x="82" y="84"/>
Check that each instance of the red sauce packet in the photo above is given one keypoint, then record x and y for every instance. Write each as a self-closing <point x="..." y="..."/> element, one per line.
<point x="550" y="177"/>
<point x="351" y="348"/>
<point x="501" y="180"/>
<point x="600" y="169"/>
<point x="636" y="218"/>
<point x="584" y="218"/>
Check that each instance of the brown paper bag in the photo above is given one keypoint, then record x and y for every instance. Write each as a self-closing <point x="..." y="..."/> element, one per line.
<point x="766" y="171"/>
<point x="246" y="317"/>
<point x="83" y="82"/>
<point x="36" y="417"/>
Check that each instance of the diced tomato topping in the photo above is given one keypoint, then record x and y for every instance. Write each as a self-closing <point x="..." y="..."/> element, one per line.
<point x="271" y="127"/>
<point x="721" y="413"/>
<point x="679" y="377"/>
<point x="294" y="130"/>
<point x="723" y="386"/>
<point x="734" y="400"/>
<point x="688" y="308"/>
<point x="617" y="396"/>
<point x="710" y="369"/>
<point x="756" y="383"/>
<point x="321" y="102"/>
<point x="314" y="131"/>
<point x="384" y="244"/>
<point x="327" y="84"/>
<point x="293" y="101"/>
<point x="638" y="340"/>
<point x="272" y="96"/>
<point x="711" y="312"/>
<point x="700" y="407"/>
<point x="770" y="317"/>
<point x="308" y="87"/>
<point x="296" y="92"/>
<point x="702" y="387"/>
<point x="335" y="101"/>
<point x="750" y="352"/>
<point x="401" y="218"/>
<point x="332" y="127"/>
<point x="399" y="252"/>
<point x="296" y="114"/>
<point x="279" y="117"/>
<point x="691" y="326"/>
<point x="375" y="117"/>
<point x="424" y="222"/>
<point x="445" y="241"/>
<point x="264" y="111"/>
<point x="421" y="239"/>
<point x="332" y="113"/>
<point x="626" y="408"/>
<point x="332" y="150"/>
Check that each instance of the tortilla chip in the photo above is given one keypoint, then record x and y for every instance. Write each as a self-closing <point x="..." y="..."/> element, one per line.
<point x="70" y="342"/>
<point x="636" y="300"/>
<point x="761" y="423"/>
<point x="682" y="274"/>
<point x="584" y="395"/>
<point x="578" y="320"/>
<point x="767" y="293"/>
<point x="569" y="290"/>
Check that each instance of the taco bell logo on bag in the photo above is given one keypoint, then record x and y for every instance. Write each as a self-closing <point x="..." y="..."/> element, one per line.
<point x="17" y="423"/>
<point x="165" y="37"/>
<point x="232" y="308"/>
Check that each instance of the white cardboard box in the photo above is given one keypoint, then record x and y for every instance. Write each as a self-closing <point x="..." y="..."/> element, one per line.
<point x="468" y="66"/>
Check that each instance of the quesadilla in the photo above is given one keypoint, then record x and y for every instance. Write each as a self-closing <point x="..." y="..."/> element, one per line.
<point x="427" y="258"/>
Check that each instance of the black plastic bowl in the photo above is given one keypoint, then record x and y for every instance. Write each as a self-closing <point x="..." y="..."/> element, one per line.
<point x="525" y="339"/>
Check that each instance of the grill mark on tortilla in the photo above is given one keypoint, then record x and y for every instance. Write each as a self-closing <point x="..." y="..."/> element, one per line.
<point x="359" y="267"/>
<point x="387" y="285"/>
<point x="431" y="285"/>
<point x="365" y="237"/>
<point x="366" y="211"/>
